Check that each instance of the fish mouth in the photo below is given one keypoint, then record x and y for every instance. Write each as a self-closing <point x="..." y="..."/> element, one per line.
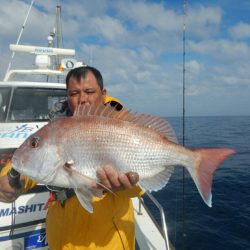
<point x="17" y="164"/>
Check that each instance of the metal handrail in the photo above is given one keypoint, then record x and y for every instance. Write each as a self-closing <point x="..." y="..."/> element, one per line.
<point x="163" y="220"/>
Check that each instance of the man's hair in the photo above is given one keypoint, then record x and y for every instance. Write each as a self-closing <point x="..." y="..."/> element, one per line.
<point x="81" y="72"/>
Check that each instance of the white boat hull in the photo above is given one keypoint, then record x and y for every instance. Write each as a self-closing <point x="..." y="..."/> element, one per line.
<point x="22" y="223"/>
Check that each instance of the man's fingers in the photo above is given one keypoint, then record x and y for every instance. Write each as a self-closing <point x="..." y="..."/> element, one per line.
<point x="103" y="177"/>
<point x="133" y="177"/>
<point x="110" y="178"/>
<point x="112" y="175"/>
<point x="123" y="178"/>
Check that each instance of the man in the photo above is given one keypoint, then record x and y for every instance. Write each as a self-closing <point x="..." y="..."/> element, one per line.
<point x="68" y="225"/>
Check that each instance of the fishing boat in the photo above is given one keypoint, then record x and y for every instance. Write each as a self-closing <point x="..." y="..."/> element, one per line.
<point x="26" y="97"/>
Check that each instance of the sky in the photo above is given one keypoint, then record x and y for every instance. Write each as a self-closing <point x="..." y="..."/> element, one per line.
<point x="138" y="47"/>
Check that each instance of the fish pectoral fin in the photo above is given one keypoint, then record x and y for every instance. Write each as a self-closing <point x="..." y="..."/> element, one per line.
<point x="84" y="186"/>
<point x="157" y="181"/>
<point x="85" y="198"/>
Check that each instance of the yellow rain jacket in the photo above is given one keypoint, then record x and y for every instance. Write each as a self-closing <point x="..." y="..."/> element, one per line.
<point x="110" y="226"/>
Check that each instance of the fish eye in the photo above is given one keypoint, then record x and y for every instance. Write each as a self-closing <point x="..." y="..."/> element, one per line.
<point x="35" y="141"/>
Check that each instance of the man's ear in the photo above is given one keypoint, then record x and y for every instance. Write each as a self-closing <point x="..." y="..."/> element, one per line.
<point x="104" y="92"/>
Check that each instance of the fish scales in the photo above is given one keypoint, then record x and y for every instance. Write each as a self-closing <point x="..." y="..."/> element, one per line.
<point x="134" y="152"/>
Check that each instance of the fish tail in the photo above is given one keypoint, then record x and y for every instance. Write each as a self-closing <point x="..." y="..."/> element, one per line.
<point x="207" y="162"/>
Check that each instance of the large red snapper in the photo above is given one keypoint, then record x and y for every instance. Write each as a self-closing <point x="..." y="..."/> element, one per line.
<point x="94" y="137"/>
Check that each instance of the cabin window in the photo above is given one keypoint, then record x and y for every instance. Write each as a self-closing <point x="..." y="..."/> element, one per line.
<point x="4" y="101"/>
<point x="34" y="104"/>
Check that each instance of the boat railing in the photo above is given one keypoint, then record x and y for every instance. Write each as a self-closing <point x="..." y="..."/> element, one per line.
<point x="163" y="227"/>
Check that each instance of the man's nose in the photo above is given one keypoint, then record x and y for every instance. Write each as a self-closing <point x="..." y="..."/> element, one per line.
<point x="83" y="98"/>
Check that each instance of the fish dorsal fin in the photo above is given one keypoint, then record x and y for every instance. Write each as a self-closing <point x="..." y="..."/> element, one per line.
<point x="158" y="124"/>
<point x="154" y="122"/>
<point x="93" y="110"/>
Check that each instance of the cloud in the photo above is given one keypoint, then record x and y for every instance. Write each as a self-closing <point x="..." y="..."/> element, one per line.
<point x="144" y="15"/>
<point x="221" y="49"/>
<point x="110" y="28"/>
<point x="240" y="30"/>
<point x="203" y="22"/>
<point x="193" y="67"/>
<point x="10" y="22"/>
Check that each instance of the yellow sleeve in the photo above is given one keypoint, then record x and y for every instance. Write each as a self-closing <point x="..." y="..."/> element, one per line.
<point x="28" y="183"/>
<point x="133" y="192"/>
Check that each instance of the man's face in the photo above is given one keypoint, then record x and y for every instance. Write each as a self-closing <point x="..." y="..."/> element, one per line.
<point x="86" y="91"/>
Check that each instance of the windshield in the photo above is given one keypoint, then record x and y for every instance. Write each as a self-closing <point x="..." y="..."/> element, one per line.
<point x="32" y="104"/>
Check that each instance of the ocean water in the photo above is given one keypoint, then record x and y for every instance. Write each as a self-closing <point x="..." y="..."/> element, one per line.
<point x="192" y="225"/>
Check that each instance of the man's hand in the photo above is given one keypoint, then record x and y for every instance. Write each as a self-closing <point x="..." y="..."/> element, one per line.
<point x="7" y="192"/>
<point x="111" y="179"/>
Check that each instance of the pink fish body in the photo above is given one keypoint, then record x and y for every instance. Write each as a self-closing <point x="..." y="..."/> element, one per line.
<point x="94" y="137"/>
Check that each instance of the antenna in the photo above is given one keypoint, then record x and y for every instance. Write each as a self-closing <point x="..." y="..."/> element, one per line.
<point x="20" y="35"/>
<point x="59" y="38"/>
<point x="183" y="117"/>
